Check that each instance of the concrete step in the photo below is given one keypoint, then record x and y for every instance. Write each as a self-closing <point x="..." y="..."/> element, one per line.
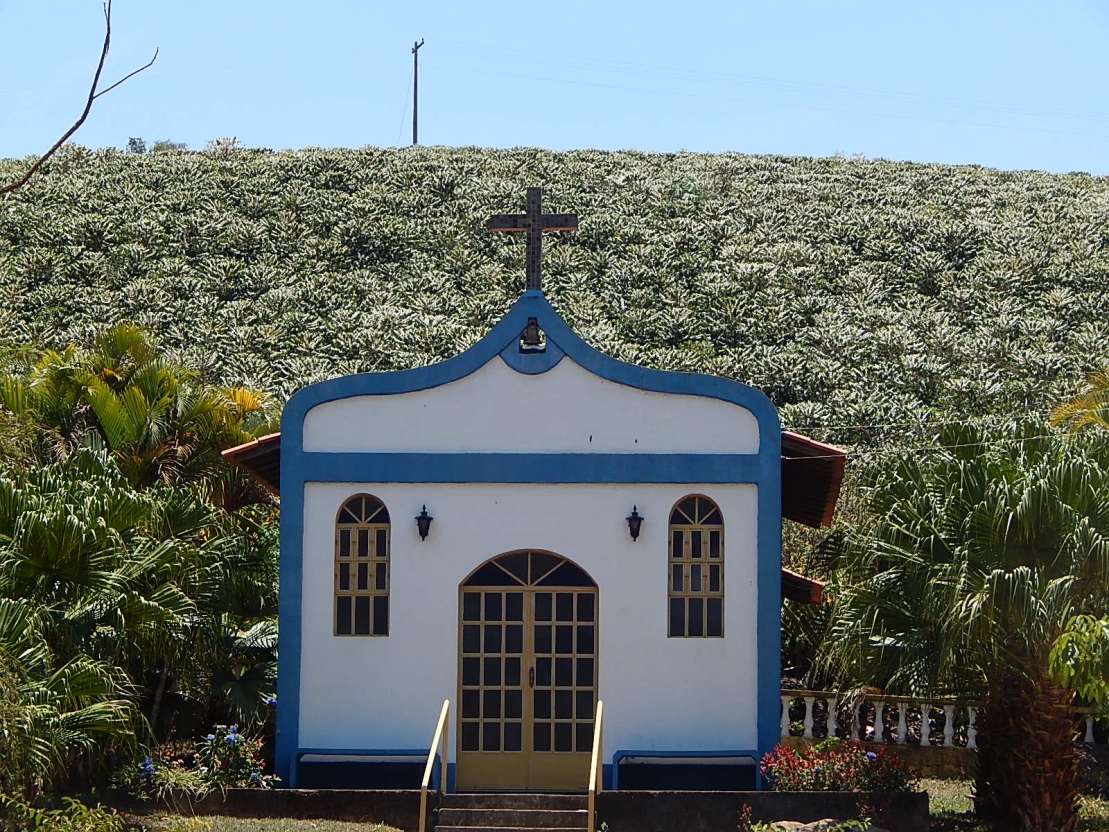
<point x="500" y="829"/>
<point x="513" y="818"/>
<point x="503" y="800"/>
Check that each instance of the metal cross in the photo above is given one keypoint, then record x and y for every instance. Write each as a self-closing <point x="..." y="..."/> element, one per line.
<point x="535" y="222"/>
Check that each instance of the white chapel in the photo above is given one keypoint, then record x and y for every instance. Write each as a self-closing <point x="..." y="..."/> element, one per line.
<point x="525" y="530"/>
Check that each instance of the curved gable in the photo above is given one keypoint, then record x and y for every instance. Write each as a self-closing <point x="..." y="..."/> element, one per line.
<point x="568" y="398"/>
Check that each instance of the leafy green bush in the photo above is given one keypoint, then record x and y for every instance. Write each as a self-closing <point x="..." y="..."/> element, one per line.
<point x="72" y="816"/>
<point x="836" y="765"/>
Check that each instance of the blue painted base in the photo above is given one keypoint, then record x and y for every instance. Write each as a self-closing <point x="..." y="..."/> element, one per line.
<point x="707" y="771"/>
<point x="364" y="769"/>
<point x="699" y="777"/>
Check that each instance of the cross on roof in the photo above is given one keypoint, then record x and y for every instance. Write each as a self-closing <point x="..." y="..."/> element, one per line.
<point x="535" y="222"/>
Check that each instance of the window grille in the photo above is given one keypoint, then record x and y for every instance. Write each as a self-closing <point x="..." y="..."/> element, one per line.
<point x="696" y="569"/>
<point x="362" y="568"/>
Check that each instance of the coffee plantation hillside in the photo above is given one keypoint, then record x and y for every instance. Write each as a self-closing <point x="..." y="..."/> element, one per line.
<point x="854" y="292"/>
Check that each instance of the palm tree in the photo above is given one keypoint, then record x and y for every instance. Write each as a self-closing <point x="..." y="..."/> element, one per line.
<point x="54" y="717"/>
<point x="149" y="580"/>
<point x="161" y="421"/>
<point x="1090" y="408"/>
<point x="978" y="554"/>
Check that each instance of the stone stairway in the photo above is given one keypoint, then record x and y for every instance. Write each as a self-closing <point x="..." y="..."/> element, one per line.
<point x="497" y="812"/>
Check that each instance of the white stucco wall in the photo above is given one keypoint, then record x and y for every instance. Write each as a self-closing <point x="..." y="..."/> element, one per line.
<point x="659" y="693"/>
<point x="497" y="409"/>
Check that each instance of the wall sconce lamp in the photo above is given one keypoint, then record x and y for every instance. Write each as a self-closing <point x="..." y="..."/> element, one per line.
<point x="423" y="523"/>
<point x="635" y="523"/>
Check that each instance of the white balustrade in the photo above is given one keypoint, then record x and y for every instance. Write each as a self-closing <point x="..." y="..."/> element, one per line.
<point x="807" y="724"/>
<point x="953" y="734"/>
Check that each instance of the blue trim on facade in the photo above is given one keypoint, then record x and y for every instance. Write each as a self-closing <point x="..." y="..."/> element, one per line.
<point x="299" y="467"/>
<point x="369" y="752"/>
<point x="531" y="362"/>
<point x="539" y="467"/>
<point x="769" y="611"/>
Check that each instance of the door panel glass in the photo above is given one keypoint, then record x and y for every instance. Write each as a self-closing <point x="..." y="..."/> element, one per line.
<point x="492" y="690"/>
<point x="528" y="670"/>
<point x="513" y="736"/>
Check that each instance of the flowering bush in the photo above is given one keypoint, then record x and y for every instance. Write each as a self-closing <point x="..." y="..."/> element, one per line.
<point x="836" y="765"/>
<point x="230" y="759"/>
<point x="223" y="759"/>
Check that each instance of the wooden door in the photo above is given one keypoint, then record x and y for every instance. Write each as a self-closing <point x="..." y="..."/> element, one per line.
<point x="527" y="674"/>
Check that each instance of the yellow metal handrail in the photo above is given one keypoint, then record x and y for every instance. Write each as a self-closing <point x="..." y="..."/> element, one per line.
<point x="596" y="782"/>
<point x="439" y="738"/>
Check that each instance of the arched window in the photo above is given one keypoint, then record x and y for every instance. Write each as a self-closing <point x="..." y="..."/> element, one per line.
<point x="696" y="578"/>
<point x="362" y="568"/>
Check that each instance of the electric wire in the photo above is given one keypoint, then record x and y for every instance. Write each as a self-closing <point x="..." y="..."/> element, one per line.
<point x="938" y="447"/>
<point x="404" y="111"/>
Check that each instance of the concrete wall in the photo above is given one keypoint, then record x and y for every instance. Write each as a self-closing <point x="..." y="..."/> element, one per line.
<point x="621" y="811"/>
<point x="564" y="410"/>
<point x="659" y="693"/>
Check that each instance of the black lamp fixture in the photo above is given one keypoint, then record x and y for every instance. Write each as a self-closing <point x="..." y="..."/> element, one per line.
<point x="423" y="523"/>
<point x="531" y="336"/>
<point x="635" y="523"/>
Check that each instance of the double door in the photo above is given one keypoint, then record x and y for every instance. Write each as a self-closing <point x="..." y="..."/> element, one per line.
<point x="527" y="686"/>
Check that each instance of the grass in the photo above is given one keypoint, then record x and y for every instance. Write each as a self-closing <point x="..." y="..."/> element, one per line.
<point x="951" y="810"/>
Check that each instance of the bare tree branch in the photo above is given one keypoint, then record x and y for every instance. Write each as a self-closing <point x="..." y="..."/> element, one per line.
<point x="93" y="95"/>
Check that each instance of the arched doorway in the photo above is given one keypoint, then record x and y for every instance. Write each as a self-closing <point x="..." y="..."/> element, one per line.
<point x="527" y="673"/>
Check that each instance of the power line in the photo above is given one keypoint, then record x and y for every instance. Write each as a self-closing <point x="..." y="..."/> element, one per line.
<point x="404" y="110"/>
<point x="865" y="451"/>
<point x="920" y="423"/>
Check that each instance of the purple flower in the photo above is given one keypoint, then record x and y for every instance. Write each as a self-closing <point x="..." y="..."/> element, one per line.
<point x="234" y="729"/>
<point x="271" y="701"/>
<point x="254" y="777"/>
<point x="870" y="755"/>
<point x="210" y="737"/>
<point x="230" y="739"/>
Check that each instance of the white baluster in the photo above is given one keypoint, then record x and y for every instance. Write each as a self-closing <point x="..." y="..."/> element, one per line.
<point x="808" y="717"/>
<point x="972" y="729"/>
<point x="879" y="722"/>
<point x="925" y="727"/>
<point x="855" y="722"/>
<point x="948" y="726"/>
<point x="833" y="717"/>
<point x="902" y="728"/>
<point x="785" y="716"/>
<point x="1090" y="728"/>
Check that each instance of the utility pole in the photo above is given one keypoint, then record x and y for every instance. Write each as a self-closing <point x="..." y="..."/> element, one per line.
<point x="415" y="87"/>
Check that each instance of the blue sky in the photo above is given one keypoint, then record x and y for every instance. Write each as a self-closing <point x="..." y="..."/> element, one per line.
<point x="1006" y="84"/>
